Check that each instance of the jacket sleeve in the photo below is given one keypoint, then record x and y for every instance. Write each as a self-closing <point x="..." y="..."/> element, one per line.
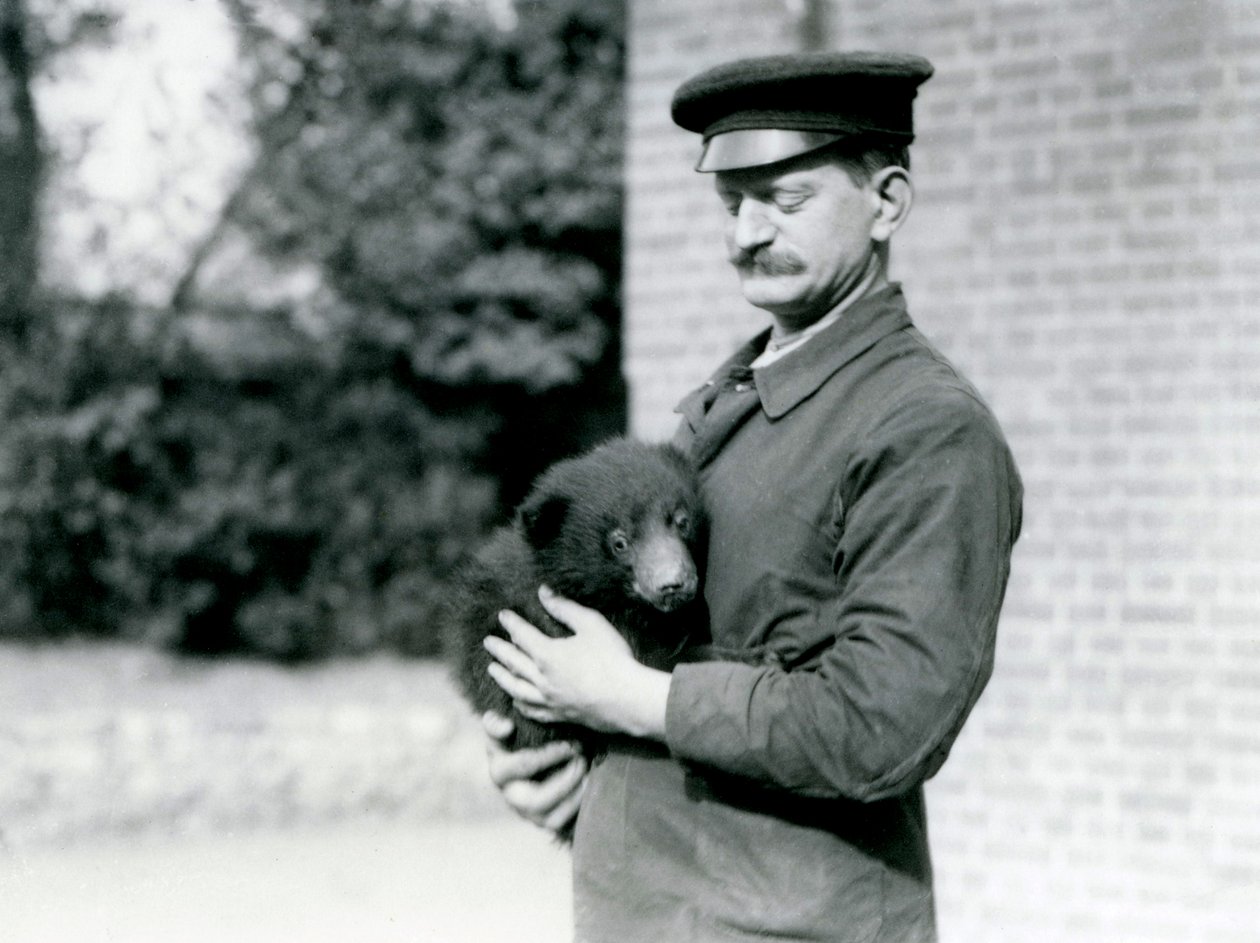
<point x="929" y="509"/>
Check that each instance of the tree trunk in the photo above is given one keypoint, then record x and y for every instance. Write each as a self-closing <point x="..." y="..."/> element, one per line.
<point x="19" y="173"/>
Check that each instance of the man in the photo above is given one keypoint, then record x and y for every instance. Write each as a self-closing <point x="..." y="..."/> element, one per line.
<point x="863" y="509"/>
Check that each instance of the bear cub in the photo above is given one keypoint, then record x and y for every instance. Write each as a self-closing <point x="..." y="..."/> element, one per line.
<point x="619" y="529"/>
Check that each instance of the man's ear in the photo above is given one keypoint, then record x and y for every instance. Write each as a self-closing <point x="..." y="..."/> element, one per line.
<point x="893" y="191"/>
<point x="541" y="517"/>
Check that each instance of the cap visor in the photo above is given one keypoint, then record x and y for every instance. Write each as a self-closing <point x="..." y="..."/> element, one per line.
<point x="735" y="150"/>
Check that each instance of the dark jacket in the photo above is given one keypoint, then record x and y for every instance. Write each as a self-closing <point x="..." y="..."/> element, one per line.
<point x="863" y="508"/>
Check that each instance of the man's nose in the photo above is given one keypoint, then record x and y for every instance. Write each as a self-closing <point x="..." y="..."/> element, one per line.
<point x="751" y="227"/>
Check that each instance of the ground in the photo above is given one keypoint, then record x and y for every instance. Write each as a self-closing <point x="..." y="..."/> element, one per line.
<point x="145" y="797"/>
<point x="466" y="882"/>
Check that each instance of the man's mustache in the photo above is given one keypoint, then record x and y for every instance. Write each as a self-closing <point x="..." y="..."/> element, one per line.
<point x="762" y="261"/>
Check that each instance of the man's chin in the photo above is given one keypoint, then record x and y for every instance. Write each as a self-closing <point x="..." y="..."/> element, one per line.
<point x="770" y="294"/>
<point x="783" y="306"/>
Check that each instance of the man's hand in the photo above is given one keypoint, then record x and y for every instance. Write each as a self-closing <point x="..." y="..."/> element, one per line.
<point x="550" y="801"/>
<point x="590" y="678"/>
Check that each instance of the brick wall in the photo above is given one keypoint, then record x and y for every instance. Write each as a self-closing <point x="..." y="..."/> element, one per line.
<point x="683" y="310"/>
<point x="1086" y="246"/>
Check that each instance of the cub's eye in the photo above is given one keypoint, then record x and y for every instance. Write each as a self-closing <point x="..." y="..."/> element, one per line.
<point x="682" y="520"/>
<point x="619" y="543"/>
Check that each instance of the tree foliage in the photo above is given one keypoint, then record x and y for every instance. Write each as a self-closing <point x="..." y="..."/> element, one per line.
<point x="459" y="183"/>
<point x="292" y="470"/>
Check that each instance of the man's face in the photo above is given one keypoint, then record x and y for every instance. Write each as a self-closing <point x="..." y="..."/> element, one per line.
<point x="799" y="235"/>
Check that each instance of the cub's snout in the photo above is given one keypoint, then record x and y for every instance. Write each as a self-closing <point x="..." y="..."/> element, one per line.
<point x="665" y="573"/>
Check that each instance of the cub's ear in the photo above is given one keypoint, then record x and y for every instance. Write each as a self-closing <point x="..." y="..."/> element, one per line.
<point x="541" y="517"/>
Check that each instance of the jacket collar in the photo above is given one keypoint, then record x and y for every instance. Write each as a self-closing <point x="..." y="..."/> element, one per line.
<point x="787" y="382"/>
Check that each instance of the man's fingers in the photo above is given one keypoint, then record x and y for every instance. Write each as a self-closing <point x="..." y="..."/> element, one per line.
<point x="513" y="659"/>
<point x="544" y="715"/>
<point x="539" y="800"/>
<point x="509" y="765"/>
<point x="523" y="635"/>
<point x="563" y="610"/>
<point x="567" y="809"/>
<point x="521" y="691"/>
<point x="497" y="726"/>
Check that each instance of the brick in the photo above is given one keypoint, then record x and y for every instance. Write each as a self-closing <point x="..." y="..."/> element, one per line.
<point x="1150" y="176"/>
<point x="1240" y="172"/>
<point x="1027" y="69"/>
<point x="1162" y="115"/>
<point x="1209" y="79"/>
<point x="962" y="21"/>
<point x="1092" y="183"/>
<point x="1240" y="43"/>
<point x="1188" y="48"/>
<point x="1091" y="121"/>
<point x="1092" y="63"/>
<point x="1014" y="12"/>
<point x="1166" y="241"/>
<point x="1114" y="88"/>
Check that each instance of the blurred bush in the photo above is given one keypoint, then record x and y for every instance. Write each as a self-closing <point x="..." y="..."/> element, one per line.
<point x="291" y="471"/>
<point x="295" y="508"/>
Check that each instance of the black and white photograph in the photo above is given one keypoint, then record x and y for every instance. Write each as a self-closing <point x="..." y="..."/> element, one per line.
<point x="623" y="471"/>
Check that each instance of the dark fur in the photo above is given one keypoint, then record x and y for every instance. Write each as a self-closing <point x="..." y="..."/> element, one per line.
<point x="562" y="536"/>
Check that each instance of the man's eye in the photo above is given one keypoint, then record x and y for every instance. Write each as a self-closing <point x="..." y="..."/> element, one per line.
<point x="789" y="204"/>
<point x="732" y="205"/>
<point x="682" y="520"/>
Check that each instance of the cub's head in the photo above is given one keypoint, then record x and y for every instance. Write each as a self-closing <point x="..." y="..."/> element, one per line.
<point x="621" y="522"/>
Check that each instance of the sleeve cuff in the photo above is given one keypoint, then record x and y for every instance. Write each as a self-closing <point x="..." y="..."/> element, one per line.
<point x="707" y="709"/>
